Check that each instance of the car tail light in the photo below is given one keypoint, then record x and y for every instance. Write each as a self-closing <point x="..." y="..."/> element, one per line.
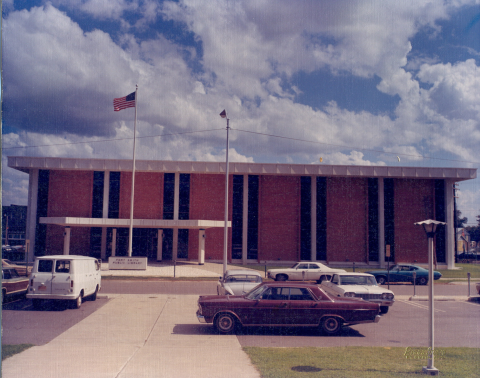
<point x="31" y="282"/>
<point x="71" y="283"/>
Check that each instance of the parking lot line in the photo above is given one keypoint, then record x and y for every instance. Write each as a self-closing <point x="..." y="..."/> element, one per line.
<point x="416" y="304"/>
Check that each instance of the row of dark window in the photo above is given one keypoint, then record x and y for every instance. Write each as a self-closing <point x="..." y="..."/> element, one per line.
<point x="145" y="239"/>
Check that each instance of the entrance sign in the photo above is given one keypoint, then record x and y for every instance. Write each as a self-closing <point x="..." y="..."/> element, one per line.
<point x="127" y="263"/>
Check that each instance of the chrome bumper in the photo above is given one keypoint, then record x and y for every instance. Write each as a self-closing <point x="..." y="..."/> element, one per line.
<point x="377" y="318"/>
<point x="201" y="318"/>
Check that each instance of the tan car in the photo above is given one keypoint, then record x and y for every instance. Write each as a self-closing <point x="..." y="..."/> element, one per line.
<point x="19" y="268"/>
<point x="12" y="283"/>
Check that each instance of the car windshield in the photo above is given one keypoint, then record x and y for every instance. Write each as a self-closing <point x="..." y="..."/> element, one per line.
<point x="244" y="278"/>
<point x="256" y="292"/>
<point x="357" y="280"/>
<point x="294" y="266"/>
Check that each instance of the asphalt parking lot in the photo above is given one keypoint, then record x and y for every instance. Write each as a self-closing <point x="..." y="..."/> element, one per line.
<point x="456" y="322"/>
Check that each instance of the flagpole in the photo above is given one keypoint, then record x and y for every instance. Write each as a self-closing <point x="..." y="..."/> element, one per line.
<point x="130" y="237"/>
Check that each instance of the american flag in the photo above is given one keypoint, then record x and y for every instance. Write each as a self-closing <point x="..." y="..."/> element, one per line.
<point x="124" y="102"/>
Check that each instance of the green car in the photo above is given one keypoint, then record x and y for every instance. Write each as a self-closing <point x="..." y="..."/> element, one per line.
<point x="404" y="273"/>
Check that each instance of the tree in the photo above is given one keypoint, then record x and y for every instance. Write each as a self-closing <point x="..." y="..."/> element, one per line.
<point x="474" y="231"/>
<point x="461" y="221"/>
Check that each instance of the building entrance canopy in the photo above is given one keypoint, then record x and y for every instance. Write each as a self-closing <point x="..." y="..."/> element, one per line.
<point x="159" y="224"/>
<point x="137" y="223"/>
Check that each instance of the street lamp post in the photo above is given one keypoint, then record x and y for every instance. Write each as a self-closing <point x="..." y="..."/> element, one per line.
<point x="430" y="227"/>
<point x="223" y="114"/>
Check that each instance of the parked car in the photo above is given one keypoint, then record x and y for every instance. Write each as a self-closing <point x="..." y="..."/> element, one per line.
<point x="21" y="269"/>
<point x="13" y="283"/>
<point x="303" y="271"/>
<point x="64" y="277"/>
<point x="404" y="273"/>
<point x="238" y="281"/>
<point x="361" y="286"/>
<point x="285" y="304"/>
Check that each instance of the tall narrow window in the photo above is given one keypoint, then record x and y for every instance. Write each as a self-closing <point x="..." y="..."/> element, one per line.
<point x="183" y="213"/>
<point x="97" y="212"/>
<point x="389" y="192"/>
<point x="373" y="219"/>
<point x="114" y="195"/>
<point x="252" y="233"/>
<point x="42" y="211"/>
<point x="237" y="217"/>
<point x="440" y="244"/>
<point x="168" y="195"/>
<point x="305" y="218"/>
<point x="321" y="218"/>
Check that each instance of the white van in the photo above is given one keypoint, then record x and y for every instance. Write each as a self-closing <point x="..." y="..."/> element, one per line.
<point x="64" y="277"/>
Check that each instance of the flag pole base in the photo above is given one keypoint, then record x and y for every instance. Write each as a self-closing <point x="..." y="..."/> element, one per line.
<point x="429" y="371"/>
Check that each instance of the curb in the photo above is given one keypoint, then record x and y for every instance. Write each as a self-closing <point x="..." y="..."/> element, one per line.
<point x="438" y="298"/>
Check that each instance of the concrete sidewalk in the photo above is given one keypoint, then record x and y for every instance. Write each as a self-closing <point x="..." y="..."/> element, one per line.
<point x="136" y="336"/>
<point x="167" y="269"/>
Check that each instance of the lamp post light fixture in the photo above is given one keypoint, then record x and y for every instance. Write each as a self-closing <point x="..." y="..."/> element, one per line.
<point x="223" y="114"/>
<point x="430" y="227"/>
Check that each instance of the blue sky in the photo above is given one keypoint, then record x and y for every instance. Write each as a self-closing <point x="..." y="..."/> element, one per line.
<point x="357" y="82"/>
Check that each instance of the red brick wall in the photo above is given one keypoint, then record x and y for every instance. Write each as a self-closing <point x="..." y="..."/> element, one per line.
<point x="207" y="202"/>
<point x="347" y="217"/>
<point x="148" y="201"/>
<point x="69" y="195"/>
<point x="279" y="218"/>
<point x="414" y="202"/>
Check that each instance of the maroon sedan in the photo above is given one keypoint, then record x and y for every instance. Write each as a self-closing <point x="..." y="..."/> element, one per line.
<point x="285" y="304"/>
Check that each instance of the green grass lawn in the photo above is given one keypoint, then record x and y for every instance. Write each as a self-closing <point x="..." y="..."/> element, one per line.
<point x="355" y="362"/>
<point x="10" y="350"/>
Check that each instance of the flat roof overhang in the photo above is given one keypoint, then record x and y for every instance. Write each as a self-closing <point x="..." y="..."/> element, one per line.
<point x="197" y="224"/>
<point x="26" y="164"/>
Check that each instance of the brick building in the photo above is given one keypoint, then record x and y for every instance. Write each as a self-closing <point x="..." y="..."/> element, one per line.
<point x="277" y="212"/>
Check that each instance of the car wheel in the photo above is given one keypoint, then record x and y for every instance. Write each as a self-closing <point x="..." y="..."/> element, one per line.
<point x="78" y="301"/>
<point x="384" y="309"/>
<point x="381" y="280"/>
<point x="422" y="281"/>
<point x="37" y="304"/>
<point x="331" y="325"/>
<point x="225" y="323"/>
<point x="281" y="277"/>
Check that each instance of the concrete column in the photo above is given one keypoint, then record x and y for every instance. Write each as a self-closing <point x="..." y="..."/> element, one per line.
<point x="313" y="218"/>
<point x="159" y="245"/>
<point x="106" y="193"/>
<point x="66" y="241"/>
<point x="449" y="227"/>
<point x="381" y="223"/>
<point x="245" y="221"/>
<point x="32" y="212"/>
<point x="201" y="246"/>
<point x="114" y="241"/>
<point x="176" y="205"/>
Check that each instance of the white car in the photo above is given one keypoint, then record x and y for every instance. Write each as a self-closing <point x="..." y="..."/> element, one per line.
<point x="238" y="281"/>
<point x="359" y="285"/>
<point x="303" y="271"/>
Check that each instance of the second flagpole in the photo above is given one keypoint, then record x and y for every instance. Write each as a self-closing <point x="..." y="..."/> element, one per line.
<point x="130" y="238"/>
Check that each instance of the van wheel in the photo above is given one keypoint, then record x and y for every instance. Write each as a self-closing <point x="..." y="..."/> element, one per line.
<point x="93" y="297"/>
<point x="78" y="301"/>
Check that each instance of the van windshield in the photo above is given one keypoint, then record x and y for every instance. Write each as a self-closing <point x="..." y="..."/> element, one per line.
<point x="45" y="266"/>
<point x="62" y="266"/>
